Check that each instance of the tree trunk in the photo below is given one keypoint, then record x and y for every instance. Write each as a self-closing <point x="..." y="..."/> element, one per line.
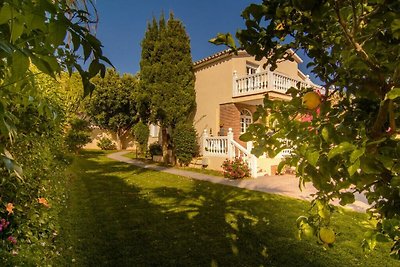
<point x="119" y="141"/>
<point x="164" y="144"/>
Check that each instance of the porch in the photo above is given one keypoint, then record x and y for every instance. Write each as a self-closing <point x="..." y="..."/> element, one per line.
<point x="216" y="149"/>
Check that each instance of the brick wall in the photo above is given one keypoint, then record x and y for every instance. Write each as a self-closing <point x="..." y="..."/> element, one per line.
<point x="230" y="118"/>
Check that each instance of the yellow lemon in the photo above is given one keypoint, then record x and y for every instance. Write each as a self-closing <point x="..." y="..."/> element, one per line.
<point x="307" y="231"/>
<point x="327" y="235"/>
<point x="311" y="100"/>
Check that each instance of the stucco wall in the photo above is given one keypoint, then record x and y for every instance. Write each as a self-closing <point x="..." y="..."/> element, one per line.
<point x="97" y="134"/>
<point x="213" y="87"/>
<point x="214" y="81"/>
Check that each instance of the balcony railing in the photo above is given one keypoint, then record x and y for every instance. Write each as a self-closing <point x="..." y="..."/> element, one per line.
<point x="263" y="82"/>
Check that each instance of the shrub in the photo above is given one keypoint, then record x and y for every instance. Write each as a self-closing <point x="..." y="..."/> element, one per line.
<point x="235" y="169"/>
<point x="78" y="134"/>
<point x="155" y="149"/>
<point x="185" y="141"/>
<point x="106" y="144"/>
<point x="141" y="132"/>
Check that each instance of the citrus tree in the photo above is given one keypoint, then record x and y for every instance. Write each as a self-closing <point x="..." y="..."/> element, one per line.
<point x="345" y="141"/>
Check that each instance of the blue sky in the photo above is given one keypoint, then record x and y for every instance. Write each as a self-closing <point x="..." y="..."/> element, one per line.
<point x="123" y="23"/>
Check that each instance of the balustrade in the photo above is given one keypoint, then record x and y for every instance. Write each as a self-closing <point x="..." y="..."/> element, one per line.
<point x="264" y="82"/>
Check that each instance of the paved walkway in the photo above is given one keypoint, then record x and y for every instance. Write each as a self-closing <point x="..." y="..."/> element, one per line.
<point x="286" y="185"/>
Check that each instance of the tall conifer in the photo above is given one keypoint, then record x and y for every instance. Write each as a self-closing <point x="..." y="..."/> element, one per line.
<point x="167" y="78"/>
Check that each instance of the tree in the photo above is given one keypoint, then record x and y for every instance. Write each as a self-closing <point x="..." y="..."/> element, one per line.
<point x="35" y="32"/>
<point x="352" y="143"/>
<point x="141" y="132"/>
<point x="112" y="106"/>
<point x="185" y="139"/>
<point x="78" y="134"/>
<point x="166" y="76"/>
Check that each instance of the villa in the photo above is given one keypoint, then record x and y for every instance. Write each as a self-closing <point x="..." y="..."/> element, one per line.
<point x="228" y="88"/>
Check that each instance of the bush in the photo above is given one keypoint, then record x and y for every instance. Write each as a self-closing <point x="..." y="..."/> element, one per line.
<point x="106" y="144"/>
<point x="185" y="141"/>
<point x="78" y="134"/>
<point x="141" y="132"/>
<point x="155" y="149"/>
<point x="235" y="169"/>
<point x="30" y="201"/>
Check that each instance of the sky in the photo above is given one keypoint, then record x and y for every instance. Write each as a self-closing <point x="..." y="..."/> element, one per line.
<point x="122" y="25"/>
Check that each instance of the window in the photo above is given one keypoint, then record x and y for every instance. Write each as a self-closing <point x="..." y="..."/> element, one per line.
<point x="245" y="120"/>
<point x="251" y="69"/>
<point x="154" y="130"/>
<point x="251" y="81"/>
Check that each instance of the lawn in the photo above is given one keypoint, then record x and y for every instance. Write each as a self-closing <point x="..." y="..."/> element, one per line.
<point x="132" y="155"/>
<point x="121" y="215"/>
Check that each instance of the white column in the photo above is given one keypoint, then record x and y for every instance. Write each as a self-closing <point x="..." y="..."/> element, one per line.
<point x="270" y="80"/>
<point x="308" y="80"/>
<point x="249" y="146"/>
<point x="254" y="166"/>
<point x="252" y="160"/>
<point x="204" y="145"/>
<point x="234" y="84"/>
<point x="230" y="147"/>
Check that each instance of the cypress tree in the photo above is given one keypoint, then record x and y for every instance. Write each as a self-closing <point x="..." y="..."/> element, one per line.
<point x="167" y="77"/>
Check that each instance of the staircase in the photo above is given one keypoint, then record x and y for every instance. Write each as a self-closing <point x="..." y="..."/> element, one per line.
<point x="226" y="147"/>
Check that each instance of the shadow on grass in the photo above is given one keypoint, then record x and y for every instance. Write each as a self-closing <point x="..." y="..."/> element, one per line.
<point x="121" y="215"/>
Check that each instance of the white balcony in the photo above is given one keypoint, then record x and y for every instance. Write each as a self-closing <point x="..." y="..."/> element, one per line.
<point x="266" y="81"/>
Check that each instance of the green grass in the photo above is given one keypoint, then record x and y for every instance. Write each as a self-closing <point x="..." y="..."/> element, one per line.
<point x="132" y="155"/>
<point x="121" y="215"/>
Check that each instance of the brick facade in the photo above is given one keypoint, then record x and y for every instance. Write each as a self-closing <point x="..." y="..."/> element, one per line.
<point x="230" y="118"/>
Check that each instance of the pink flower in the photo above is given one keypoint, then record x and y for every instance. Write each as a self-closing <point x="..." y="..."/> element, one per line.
<point x="12" y="239"/>
<point x="3" y="224"/>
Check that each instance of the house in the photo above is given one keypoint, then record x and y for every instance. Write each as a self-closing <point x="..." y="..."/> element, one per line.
<point x="228" y="89"/>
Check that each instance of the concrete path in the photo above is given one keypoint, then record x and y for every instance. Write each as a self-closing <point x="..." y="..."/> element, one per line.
<point x="286" y="185"/>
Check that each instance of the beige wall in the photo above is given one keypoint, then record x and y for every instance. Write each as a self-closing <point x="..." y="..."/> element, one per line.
<point x="214" y="88"/>
<point x="97" y="134"/>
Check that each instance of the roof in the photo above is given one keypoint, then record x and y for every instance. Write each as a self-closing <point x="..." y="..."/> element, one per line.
<point x="216" y="55"/>
<point x="228" y="51"/>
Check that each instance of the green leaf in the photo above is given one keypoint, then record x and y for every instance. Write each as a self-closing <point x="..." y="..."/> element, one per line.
<point x="342" y="148"/>
<point x="325" y="134"/>
<point x="369" y="166"/>
<point x="20" y="63"/>
<point x="6" y="46"/>
<point x="346" y="198"/>
<point x="76" y="41"/>
<point x="225" y="39"/>
<point x="57" y="32"/>
<point x="370" y="239"/>
<point x="312" y="157"/>
<point x="17" y="28"/>
<point x="356" y="154"/>
<point x="395" y="27"/>
<point x="87" y="50"/>
<point x="246" y="137"/>
<point x="382" y="238"/>
<point x="352" y="169"/>
<point x="393" y="94"/>
<point x="94" y="68"/>
<point x="5" y="13"/>
<point x="395" y="181"/>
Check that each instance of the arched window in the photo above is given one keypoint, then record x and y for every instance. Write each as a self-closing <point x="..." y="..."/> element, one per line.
<point x="245" y="120"/>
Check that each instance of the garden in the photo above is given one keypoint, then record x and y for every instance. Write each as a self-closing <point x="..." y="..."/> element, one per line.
<point x="64" y="206"/>
<point x="119" y="214"/>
